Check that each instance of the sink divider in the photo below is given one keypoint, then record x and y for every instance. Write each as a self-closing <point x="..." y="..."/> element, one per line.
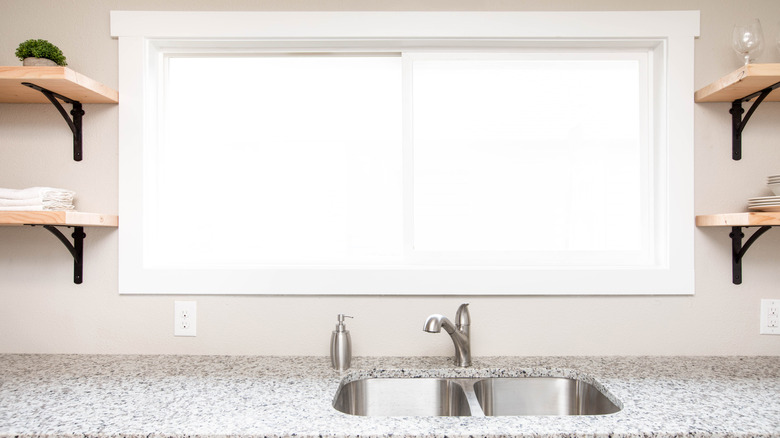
<point x="471" y="397"/>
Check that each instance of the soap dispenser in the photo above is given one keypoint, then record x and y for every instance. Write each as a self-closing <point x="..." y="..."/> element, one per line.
<point x="341" y="345"/>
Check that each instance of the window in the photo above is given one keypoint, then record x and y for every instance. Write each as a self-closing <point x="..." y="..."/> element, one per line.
<point x="275" y="157"/>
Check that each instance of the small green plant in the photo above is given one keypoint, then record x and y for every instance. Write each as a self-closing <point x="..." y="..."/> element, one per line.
<point x="40" y="49"/>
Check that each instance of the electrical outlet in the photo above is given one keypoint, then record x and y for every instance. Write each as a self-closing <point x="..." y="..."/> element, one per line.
<point x="184" y="318"/>
<point x="770" y="317"/>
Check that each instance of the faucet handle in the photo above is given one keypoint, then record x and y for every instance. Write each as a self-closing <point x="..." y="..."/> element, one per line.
<point x="462" y="316"/>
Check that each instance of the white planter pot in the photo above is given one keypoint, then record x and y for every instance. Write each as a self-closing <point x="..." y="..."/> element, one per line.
<point x="38" y="62"/>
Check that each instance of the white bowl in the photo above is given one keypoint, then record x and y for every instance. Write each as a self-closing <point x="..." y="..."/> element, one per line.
<point x="775" y="188"/>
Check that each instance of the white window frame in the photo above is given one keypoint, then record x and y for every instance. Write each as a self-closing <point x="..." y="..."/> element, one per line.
<point x="144" y="36"/>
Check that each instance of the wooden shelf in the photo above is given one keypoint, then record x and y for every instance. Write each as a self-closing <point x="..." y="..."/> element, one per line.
<point x="737" y="221"/>
<point x="58" y="218"/>
<point x="747" y="219"/>
<point x="749" y="82"/>
<point x="51" y="220"/>
<point x="60" y="80"/>
<point x="742" y="82"/>
<point x="55" y="84"/>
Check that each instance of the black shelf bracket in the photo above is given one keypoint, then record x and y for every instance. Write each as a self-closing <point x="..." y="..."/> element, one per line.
<point x="77" y="112"/>
<point x="738" y="122"/>
<point x="738" y="250"/>
<point x="76" y="248"/>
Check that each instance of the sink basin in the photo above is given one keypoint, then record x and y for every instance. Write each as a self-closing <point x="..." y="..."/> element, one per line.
<point x="477" y="397"/>
<point x="541" y="396"/>
<point x="423" y="397"/>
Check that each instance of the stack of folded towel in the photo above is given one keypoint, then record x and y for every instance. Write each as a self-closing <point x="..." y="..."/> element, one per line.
<point x="36" y="199"/>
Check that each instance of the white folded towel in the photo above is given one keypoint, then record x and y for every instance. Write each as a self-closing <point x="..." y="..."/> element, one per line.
<point x="36" y="198"/>
<point x="37" y="192"/>
<point x="19" y="202"/>
<point x="28" y="208"/>
<point x="26" y="204"/>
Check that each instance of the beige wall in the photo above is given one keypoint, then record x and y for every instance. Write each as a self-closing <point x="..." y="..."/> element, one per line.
<point x="42" y="311"/>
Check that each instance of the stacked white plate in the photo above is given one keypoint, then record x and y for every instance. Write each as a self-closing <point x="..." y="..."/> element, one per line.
<point x="764" y="203"/>
<point x="773" y="181"/>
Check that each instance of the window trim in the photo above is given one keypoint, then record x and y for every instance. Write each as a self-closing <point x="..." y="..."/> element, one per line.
<point x="142" y="34"/>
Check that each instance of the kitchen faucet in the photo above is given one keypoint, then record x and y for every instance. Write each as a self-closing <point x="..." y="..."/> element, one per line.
<point x="458" y="332"/>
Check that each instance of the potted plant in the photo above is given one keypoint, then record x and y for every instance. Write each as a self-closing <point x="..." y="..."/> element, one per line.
<point x="40" y="52"/>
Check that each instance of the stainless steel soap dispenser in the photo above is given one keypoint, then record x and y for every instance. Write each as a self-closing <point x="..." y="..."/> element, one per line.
<point x="341" y="345"/>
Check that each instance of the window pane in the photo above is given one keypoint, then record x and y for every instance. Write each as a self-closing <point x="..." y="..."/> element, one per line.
<point x="528" y="154"/>
<point x="281" y="159"/>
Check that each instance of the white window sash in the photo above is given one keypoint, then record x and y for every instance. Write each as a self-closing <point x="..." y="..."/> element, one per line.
<point x="542" y="257"/>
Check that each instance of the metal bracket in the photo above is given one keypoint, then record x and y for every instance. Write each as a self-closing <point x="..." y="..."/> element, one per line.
<point x="77" y="112"/>
<point x="738" y="123"/>
<point x="76" y="248"/>
<point x="738" y="250"/>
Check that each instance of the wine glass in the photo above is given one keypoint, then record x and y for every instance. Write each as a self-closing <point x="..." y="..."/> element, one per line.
<point x="748" y="39"/>
<point x="777" y="34"/>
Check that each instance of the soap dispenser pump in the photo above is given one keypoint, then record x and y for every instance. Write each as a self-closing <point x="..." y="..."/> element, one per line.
<point x="341" y="345"/>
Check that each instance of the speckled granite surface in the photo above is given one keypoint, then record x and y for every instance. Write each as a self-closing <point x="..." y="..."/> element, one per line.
<point x="210" y="396"/>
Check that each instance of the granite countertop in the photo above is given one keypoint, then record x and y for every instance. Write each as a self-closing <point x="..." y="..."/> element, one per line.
<point x="209" y="396"/>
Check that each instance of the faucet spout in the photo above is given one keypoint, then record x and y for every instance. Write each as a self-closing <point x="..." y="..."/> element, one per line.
<point x="435" y="322"/>
<point x="459" y="333"/>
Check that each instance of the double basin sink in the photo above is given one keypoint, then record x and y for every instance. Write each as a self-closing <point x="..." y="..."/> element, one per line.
<point x="476" y="397"/>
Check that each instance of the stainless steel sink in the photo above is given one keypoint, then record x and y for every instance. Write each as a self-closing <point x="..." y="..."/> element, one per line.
<point x="541" y="396"/>
<point x="478" y="397"/>
<point x="391" y="397"/>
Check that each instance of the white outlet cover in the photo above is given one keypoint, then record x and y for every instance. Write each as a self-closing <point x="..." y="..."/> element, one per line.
<point x="766" y="308"/>
<point x="184" y="318"/>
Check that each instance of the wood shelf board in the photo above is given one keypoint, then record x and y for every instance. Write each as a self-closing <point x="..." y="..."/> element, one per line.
<point x="61" y="218"/>
<point x="742" y="82"/>
<point x="747" y="219"/>
<point x="61" y="80"/>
